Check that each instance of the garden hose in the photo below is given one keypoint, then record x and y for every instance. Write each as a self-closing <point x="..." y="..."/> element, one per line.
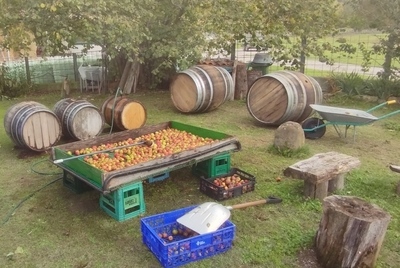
<point x="38" y="190"/>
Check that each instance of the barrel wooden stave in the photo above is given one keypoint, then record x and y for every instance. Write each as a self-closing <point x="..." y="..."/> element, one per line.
<point x="201" y="88"/>
<point x="80" y="119"/>
<point x="283" y="96"/>
<point x="124" y="113"/>
<point x="32" y="125"/>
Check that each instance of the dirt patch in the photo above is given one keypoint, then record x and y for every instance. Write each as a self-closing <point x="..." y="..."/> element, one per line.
<point x="84" y="203"/>
<point x="307" y="258"/>
<point x="24" y="154"/>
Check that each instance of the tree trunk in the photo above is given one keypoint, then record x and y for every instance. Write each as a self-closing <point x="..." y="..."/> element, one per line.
<point x="303" y="54"/>
<point x="350" y="233"/>
<point x="387" y="65"/>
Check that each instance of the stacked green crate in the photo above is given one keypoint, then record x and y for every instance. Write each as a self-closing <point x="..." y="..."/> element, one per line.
<point x="215" y="166"/>
<point x="124" y="203"/>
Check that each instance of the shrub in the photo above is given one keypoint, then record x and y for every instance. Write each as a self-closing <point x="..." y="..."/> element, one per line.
<point x="13" y="81"/>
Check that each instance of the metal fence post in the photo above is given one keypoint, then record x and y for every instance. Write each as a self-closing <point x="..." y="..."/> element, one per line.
<point x="75" y="63"/>
<point x="28" y="72"/>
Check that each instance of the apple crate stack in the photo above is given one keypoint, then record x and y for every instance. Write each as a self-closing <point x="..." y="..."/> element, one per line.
<point x="122" y="204"/>
<point x="219" y="181"/>
<point x="174" y="245"/>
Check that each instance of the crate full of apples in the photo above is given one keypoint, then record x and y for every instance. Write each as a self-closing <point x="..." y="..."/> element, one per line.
<point x="233" y="184"/>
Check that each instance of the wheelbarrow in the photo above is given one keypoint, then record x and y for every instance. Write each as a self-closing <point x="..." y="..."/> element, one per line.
<point x="315" y="127"/>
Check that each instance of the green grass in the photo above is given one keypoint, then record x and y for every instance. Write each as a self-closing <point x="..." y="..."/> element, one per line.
<point x="58" y="228"/>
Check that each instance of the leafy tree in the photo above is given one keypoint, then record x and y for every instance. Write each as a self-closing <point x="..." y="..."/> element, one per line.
<point x="167" y="35"/>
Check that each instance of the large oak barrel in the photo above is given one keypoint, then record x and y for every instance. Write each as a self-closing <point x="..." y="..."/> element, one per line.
<point x="124" y="113"/>
<point x="80" y="119"/>
<point x="201" y="88"/>
<point x="283" y="96"/>
<point x="32" y="125"/>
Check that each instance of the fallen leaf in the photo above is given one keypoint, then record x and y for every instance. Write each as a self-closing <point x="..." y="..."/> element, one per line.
<point x="19" y="250"/>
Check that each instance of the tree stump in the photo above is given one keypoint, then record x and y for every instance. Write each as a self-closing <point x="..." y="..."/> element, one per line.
<point x="350" y="233"/>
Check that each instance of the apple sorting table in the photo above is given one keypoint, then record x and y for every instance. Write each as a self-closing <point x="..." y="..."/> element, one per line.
<point x="107" y="182"/>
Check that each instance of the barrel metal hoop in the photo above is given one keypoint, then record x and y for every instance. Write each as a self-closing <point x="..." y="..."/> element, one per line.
<point x="199" y="86"/>
<point x="210" y="83"/>
<point x="227" y="82"/>
<point x="317" y="90"/>
<point x="303" y="95"/>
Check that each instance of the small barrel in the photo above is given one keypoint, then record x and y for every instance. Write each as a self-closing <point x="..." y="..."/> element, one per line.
<point x="124" y="113"/>
<point x="80" y="119"/>
<point x="283" y="96"/>
<point x="32" y="125"/>
<point x="201" y="88"/>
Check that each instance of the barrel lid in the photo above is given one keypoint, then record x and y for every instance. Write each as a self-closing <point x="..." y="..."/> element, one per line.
<point x="262" y="58"/>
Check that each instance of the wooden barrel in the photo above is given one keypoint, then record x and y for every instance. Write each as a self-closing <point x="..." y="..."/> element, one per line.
<point x="32" y="125"/>
<point x="124" y="113"/>
<point x="80" y="119"/>
<point x="283" y="96"/>
<point x="201" y="88"/>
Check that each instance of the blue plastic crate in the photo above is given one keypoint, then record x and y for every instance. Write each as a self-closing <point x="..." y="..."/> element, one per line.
<point x="183" y="249"/>
<point x="124" y="203"/>
<point x="160" y="177"/>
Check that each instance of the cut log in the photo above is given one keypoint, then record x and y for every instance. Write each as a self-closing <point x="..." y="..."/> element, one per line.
<point x="241" y="87"/>
<point x="350" y="233"/>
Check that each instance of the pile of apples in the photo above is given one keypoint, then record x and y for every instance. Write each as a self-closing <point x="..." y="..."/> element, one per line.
<point x="164" y="142"/>
<point x="230" y="182"/>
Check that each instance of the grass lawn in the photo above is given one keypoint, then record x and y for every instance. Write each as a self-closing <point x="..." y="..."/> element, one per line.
<point x="55" y="227"/>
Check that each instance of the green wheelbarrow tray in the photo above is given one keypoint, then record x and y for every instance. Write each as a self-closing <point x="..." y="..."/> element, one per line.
<point x="315" y="127"/>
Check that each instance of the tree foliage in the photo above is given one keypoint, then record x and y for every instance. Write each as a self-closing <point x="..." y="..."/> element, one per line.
<point x="166" y="35"/>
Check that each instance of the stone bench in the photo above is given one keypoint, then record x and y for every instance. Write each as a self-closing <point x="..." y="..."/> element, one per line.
<point x="323" y="173"/>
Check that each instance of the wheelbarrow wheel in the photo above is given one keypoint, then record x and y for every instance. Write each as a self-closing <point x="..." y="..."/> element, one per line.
<point x="314" y="128"/>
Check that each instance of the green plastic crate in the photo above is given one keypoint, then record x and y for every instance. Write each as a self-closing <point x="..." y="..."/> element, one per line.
<point x="124" y="203"/>
<point x="215" y="166"/>
<point x="75" y="184"/>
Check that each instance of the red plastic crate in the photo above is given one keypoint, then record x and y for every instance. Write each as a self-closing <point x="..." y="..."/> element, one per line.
<point x="208" y="187"/>
<point x="183" y="249"/>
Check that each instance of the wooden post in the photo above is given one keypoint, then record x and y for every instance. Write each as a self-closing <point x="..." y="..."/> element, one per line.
<point x="241" y="87"/>
<point x="350" y="233"/>
<point x="75" y="63"/>
<point x="28" y="72"/>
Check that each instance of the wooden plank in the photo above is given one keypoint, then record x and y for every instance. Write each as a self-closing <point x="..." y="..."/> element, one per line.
<point x="130" y="81"/>
<point x="241" y="86"/>
<point x="321" y="167"/>
<point x="44" y="129"/>
<point x="336" y="183"/>
<point x="136" y="75"/>
<point x="124" y="76"/>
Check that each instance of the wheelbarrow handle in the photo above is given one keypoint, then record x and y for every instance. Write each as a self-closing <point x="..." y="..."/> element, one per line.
<point x="382" y="104"/>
